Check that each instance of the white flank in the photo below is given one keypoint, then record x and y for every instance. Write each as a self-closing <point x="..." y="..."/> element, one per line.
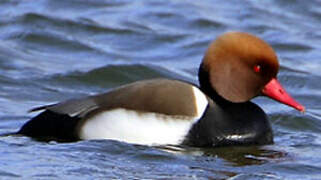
<point x="201" y="101"/>
<point x="138" y="127"/>
<point x="142" y="127"/>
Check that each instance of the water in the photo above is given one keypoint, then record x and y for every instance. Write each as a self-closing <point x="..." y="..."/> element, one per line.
<point x="55" y="50"/>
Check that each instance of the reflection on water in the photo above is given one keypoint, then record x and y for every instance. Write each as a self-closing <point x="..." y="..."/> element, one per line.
<point x="234" y="156"/>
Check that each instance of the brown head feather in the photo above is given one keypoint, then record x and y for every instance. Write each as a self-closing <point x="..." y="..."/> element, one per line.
<point x="230" y="62"/>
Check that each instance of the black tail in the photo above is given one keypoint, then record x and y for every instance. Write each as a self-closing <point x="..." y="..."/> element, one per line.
<point x="49" y="125"/>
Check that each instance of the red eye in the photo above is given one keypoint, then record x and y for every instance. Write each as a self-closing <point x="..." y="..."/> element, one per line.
<point x="257" y="68"/>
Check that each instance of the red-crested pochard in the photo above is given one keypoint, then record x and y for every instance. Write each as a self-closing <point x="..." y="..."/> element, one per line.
<point x="236" y="68"/>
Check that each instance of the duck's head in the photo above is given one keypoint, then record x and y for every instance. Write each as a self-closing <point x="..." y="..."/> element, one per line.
<point x="241" y="66"/>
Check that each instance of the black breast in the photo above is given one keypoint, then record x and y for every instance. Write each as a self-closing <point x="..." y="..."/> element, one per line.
<point x="231" y="124"/>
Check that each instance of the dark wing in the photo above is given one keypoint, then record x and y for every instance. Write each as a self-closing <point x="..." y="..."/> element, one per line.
<point x="73" y="107"/>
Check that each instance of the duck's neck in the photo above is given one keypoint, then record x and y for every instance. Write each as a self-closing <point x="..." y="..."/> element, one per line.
<point x="205" y="86"/>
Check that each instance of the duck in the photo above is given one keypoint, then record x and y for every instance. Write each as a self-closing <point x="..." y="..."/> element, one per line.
<point x="236" y="67"/>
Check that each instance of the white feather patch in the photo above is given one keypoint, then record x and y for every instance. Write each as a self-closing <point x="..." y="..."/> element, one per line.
<point x="137" y="127"/>
<point x="201" y="101"/>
